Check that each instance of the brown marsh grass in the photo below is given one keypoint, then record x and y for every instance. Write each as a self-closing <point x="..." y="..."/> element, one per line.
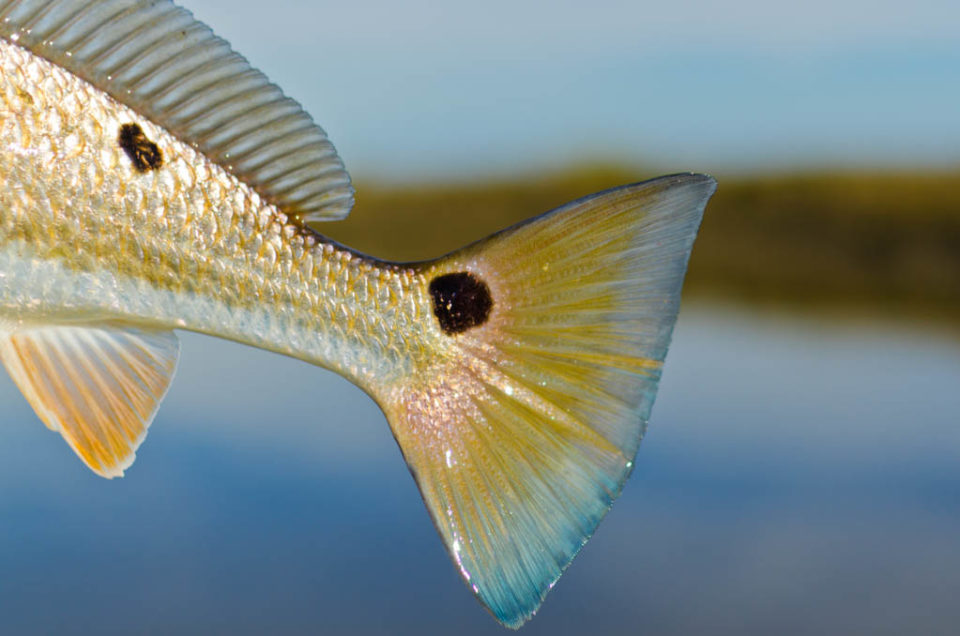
<point x="881" y="243"/>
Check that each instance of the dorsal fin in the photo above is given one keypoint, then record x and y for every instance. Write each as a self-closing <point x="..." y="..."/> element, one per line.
<point x="156" y="58"/>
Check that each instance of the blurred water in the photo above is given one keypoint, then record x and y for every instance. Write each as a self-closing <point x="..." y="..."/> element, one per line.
<point x="801" y="476"/>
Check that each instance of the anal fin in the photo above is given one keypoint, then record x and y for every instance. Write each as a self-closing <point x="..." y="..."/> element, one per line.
<point x="99" y="387"/>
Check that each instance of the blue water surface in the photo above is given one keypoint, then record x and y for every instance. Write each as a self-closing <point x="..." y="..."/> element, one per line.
<point x="801" y="476"/>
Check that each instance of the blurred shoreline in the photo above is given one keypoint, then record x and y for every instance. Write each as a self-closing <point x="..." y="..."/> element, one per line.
<point x="870" y="243"/>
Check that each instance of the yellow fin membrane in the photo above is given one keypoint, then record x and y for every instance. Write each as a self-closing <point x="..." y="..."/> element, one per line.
<point x="522" y="433"/>
<point x="99" y="387"/>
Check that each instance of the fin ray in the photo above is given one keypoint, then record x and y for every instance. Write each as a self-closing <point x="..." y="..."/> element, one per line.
<point x="99" y="387"/>
<point x="156" y="58"/>
<point x="522" y="434"/>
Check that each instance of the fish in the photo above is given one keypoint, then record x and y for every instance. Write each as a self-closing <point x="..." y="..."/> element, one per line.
<point x="152" y="181"/>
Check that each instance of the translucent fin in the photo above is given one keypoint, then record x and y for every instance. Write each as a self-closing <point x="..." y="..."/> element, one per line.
<point x="99" y="387"/>
<point x="522" y="432"/>
<point x="156" y="58"/>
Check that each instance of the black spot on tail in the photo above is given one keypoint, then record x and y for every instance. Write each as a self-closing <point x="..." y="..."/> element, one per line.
<point x="460" y="301"/>
<point x="144" y="154"/>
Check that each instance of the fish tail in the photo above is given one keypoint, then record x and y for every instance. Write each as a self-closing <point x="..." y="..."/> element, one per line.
<point x="524" y="427"/>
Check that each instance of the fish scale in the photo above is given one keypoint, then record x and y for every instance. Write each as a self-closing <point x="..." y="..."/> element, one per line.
<point x="151" y="180"/>
<point x="114" y="228"/>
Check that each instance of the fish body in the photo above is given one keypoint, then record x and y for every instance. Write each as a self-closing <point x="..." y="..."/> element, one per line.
<point x="86" y="236"/>
<point x="152" y="181"/>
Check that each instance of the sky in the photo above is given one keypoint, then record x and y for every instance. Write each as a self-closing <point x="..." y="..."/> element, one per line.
<point x="431" y="90"/>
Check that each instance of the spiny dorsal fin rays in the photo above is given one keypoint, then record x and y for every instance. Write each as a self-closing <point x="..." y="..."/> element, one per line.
<point x="99" y="387"/>
<point x="156" y="58"/>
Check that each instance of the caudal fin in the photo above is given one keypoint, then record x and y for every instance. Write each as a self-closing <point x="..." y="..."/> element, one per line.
<point x="523" y="432"/>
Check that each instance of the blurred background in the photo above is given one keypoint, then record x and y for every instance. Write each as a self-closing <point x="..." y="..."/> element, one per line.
<point x="801" y="474"/>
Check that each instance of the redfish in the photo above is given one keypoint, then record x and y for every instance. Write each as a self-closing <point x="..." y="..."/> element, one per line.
<point x="151" y="180"/>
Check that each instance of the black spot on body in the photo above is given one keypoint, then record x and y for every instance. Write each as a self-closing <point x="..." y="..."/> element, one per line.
<point x="144" y="154"/>
<point x="460" y="301"/>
